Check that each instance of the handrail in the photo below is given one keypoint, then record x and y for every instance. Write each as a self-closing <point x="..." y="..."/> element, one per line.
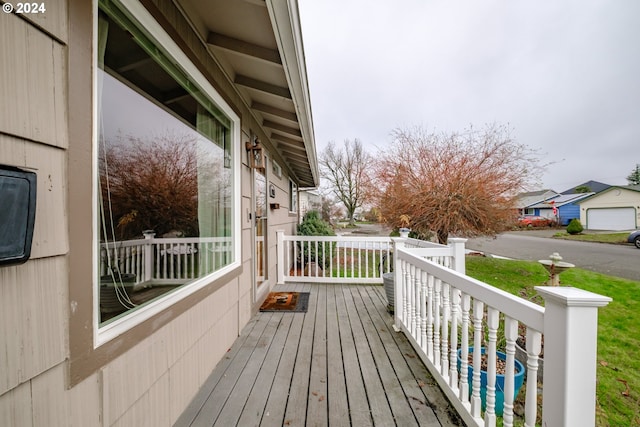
<point x="446" y="315"/>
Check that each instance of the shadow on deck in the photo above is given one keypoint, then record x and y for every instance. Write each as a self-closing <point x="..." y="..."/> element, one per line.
<point x="341" y="363"/>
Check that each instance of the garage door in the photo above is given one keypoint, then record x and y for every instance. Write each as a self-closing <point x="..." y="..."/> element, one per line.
<point x="611" y="219"/>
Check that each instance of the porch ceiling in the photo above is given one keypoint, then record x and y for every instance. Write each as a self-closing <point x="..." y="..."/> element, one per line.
<point x="258" y="44"/>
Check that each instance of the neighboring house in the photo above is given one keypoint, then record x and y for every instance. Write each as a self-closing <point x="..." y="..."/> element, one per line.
<point x="135" y="115"/>
<point x="592" y="186"/>
<point x="616" y="208"/>
<point x="567" y="207"/>
<point x="310" y="200"/>
<point x="525" y="201"/>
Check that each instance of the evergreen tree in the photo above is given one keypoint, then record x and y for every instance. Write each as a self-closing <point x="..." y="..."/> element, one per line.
<point x="634" y="176"/>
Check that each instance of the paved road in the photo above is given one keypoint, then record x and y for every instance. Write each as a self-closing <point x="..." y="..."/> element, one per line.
<point x="615" y="260"/>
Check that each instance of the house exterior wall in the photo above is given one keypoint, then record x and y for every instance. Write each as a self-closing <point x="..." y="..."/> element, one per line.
<point x="568" y="212"/>
<point x="50" y="373"/>
<point x="612" y="198"/>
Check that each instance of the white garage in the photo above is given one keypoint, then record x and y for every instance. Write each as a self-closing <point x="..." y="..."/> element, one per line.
<point x="616" y="208"/>
<point x="611" y="219"/>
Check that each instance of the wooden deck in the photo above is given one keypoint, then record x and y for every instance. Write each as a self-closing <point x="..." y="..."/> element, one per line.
<point x="339" y="364"/>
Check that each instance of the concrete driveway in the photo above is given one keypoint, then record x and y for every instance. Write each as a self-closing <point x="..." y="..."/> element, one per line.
<point x="532" y="245"/>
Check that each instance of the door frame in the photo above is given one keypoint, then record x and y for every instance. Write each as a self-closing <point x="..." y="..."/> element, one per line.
<point x="259" y="288"/>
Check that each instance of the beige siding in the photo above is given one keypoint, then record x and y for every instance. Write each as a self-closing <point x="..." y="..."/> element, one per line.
<point x="152" y="383"/>
<point x="50" y="405"/>
<point x="151" y="410"/>
<point x="172" y="363"/>
<point x="33" y="319"/>
<point x="45" y="401"/>
<point x="33" y="70"/>
<point x="53" y="21"/>
<point x="15" y="407"/>
<point x="49" y="164"/>
<point x="83" y="401"/>
<point x="613" y="198"/>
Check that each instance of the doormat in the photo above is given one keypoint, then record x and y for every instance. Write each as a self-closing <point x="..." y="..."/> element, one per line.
<point x="286" y="301"/>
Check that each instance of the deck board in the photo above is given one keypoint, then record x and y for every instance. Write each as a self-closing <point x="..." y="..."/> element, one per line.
<point x="356" y="397"/>
<point x="336" y="386"/>
<point x="341" y="363"/>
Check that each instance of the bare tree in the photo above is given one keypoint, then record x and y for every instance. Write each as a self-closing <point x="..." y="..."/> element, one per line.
<point x="150" y="185"/>
<point x="458" y="183"/>
<point x="345" y="170"/>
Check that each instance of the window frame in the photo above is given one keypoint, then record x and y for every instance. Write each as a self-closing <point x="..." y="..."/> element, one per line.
<point x="276" y="169"/>
<point x="293" y="200"/>
<point x="140" y="16"/>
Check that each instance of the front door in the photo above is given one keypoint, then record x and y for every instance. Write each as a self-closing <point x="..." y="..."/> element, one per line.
<point x="260" y="231"/>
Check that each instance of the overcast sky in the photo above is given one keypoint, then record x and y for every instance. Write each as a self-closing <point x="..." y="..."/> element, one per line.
<point x="565" y="75"/>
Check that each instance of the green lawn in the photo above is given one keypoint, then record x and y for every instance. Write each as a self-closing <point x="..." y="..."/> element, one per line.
<point x="618" y="330"/>
<point x="366" y="263"/>
<point x="594" y="237"/>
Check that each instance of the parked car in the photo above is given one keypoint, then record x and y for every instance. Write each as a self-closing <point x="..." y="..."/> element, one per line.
<point x="634" y="238"/>
<point x="534" y="221"/>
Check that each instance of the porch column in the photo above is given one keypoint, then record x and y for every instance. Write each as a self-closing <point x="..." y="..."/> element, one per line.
<point x="458" y="247"/>
<point x="398" y="282"/>
<point x="280" y="256"/>
<point x="570" y="337"/>
<point x="149" y="238"/>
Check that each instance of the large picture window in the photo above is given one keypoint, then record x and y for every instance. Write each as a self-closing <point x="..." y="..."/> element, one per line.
<point x="165" y="185"/>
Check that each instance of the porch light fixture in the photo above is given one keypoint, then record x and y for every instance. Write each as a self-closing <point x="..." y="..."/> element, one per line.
<point x="255" y="154"/>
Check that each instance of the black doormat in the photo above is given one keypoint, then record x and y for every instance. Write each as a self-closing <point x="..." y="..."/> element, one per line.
<point x="286" y="301"/>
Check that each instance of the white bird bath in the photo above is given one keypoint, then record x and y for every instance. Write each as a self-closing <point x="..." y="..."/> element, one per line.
<point x="554" y="265"/>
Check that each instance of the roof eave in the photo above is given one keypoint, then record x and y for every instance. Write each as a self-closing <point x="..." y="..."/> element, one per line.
<point x="285" y="20"/>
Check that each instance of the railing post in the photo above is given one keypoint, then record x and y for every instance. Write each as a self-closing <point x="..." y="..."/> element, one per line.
<point x="458" y="249"/>
<point x="398" y="297"/>
<point x="280" y="256"/>
<point x="570" y="335"/>
<point x="149" y="237"/>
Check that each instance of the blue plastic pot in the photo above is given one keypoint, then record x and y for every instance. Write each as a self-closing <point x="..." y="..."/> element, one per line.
<point x="517" y="381"/>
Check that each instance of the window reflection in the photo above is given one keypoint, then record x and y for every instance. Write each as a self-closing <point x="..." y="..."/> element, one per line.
<point x="165" y="181"/>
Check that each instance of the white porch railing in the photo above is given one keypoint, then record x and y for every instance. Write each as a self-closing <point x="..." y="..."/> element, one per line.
<point x="333" y="259"/>
<point x="437" y="308"/>
<point x="348" y="259"/>
<point x="442" y="311"/>
<point x="165" y="260"/>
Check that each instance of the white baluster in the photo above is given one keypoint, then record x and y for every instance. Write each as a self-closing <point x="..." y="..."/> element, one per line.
<point x="510" y="333"/>
<point x="444" y="348"/>
<point x="423" y="311"/>
<point x="437" y="288"/>
<point x="534" y="347"/>
<point x="353" y="261"/>
<point x="478" y="311"/>
<point x="416" y="301"/>
<point x="407" y="293"/>
<point x="493" y="317"/>
<point x="317" y="258"/>
<point x="295" y="257"/>
<point x="465" y="305"/>
<point x="412" y="300"/>
<point x="430" y="285"/>
<point x="455" y="309"/>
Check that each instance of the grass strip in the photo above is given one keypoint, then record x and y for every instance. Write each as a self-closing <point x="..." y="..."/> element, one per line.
<point x="618" y="370"/>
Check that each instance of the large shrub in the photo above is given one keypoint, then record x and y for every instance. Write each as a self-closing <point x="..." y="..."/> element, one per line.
<point x="313" y="225"/>
<point x="574" y="227"/>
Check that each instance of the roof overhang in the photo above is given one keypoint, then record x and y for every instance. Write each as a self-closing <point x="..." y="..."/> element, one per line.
<point x="258" y="44"/>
